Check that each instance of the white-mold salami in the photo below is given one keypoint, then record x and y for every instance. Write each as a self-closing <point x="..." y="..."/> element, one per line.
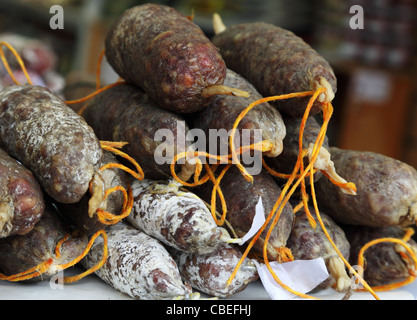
<point x="178" y="218"/>
<point x="137" y="265"/>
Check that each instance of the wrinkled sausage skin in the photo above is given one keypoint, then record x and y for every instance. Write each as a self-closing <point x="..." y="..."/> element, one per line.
<point x="126" y="113"/>
<point x="223" y="110"/>
<point x="275" y="61"/>
<point x="21" y="198"/>
<point x="242" y="197"/>
<point x="384" y="263"/>
<point x="286" y="161"/>
<point x="175" y="217"/>
<point x="166" y="54"/>
<point x="386" y="190"/>
<point x="79" y="213"/>
<point x="50" y="139"/>
<point x="20" y="253"/>
<point x="137" y="265"/>
<point x="209" y="272"/>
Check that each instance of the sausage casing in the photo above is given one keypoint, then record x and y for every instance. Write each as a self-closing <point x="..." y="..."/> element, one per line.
<point x="307" y="243"/>
<point x="126" y="113"/>
<point x="384" y="263"/>
<point x="137" y="265"/>
<point x="83" y="214"/>
<point x="177" y="218"/>
<point x="20" y="253"/>
<point x="276" y="62"/>
<point x="242" y="197"/>
<point x="50" y="139"/>
<point x="209" y="272"/>
<point x="223" y="110"/>
<point x="166" y="54"/>
<point x="386" y="190"/>
<point x="21" y="198"/>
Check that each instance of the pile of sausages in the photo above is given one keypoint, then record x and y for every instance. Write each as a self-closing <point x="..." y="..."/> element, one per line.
<point x="175" y="78"/>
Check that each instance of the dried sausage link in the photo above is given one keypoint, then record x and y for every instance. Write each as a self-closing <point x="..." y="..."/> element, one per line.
<point x="50" y="139"/>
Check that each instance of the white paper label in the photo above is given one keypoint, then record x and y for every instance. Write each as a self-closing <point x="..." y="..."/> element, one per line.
<point x="299" y="275"/>
<point x="257" y="223"/>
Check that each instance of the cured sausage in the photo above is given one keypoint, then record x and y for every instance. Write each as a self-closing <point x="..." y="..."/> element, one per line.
<point x="126" y="113"/>
<point x="21" y="198"/>
<point x="285" y="162"/>
<point x="386" y="190"/>
<point x="83" y="214"/>
<point x="177" y="218"/>
<point x="137" y="265"/>
<point x="222" y="112"/>
<point x="384" y="261"/>
<point x="242" y="197"/>
<point x="209" y="272"/>
<point x="276" y="61"/>
<point x="307" y="243"/>
<point x="165" y="53"/>
<point x="20" y="253"/>
<point x="50" y="139"/>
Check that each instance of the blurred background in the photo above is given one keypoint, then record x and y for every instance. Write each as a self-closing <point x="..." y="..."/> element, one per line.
<point x="375" y="105"/>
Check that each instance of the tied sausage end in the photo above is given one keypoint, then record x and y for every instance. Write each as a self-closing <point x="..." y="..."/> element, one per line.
<point x="337" y="269"/>
<point x="326" y="96"/>
<point x="326" y="165"/>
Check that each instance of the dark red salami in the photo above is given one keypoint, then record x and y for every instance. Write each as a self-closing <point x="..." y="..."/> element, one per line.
<point x="242" y="197"/>
<point x="154" y="135"/>
<point x="385" y="263"/>
<point x="50" y="139"/>
<point x="386" y="190"/>
<point x="222" y="112"/>
<point x="21" y="197"/>
<point x="166" y="54"/>
<point x="276" y="61"/>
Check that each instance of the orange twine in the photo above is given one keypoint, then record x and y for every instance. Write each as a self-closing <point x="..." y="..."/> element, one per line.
<point x="411" y="254"/>
<point x="284" y="197"/>
<point x="19" y="60"/>
<point x="44" y="266"/>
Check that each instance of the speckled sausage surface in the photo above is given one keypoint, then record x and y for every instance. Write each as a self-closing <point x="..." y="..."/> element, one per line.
<point x="50" y="139"/>
<point x="275" y="61"/>
<point x="19" y="253"/>
<point x="126" y="113"/>
<point x="209" y="273"/>
<point x="177" y="218"/>
<point x="137" y="265"/>
<point x="241" y="199"/>
<point x="384" y="263"/>
<point x="166" y="54"/>
<point x="223" y="110"/>
<point x="21" y="198"/>
<point x="386" y="190"/>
